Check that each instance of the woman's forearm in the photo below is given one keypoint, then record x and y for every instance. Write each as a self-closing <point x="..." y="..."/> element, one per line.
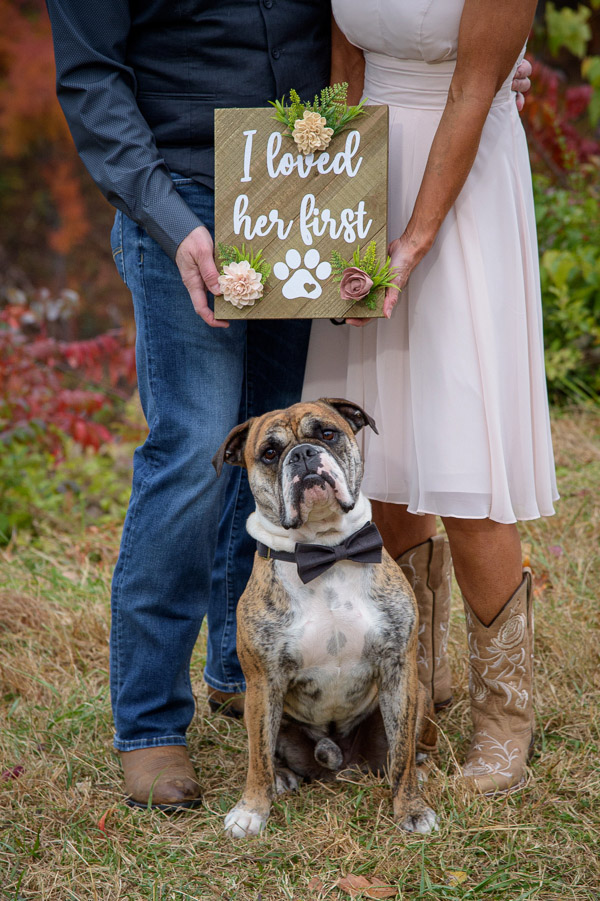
<point x="450" y="160"/>
<point x="490" y="38"/>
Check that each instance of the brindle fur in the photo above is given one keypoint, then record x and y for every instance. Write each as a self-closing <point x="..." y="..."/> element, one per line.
<point x="283" y="690"/>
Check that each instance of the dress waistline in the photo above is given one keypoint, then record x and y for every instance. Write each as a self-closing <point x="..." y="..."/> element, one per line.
<point x="415" y="82"/>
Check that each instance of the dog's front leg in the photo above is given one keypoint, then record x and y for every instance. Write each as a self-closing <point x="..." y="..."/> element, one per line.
<point x="262" y="715"/>
<point x="398" y="692"/>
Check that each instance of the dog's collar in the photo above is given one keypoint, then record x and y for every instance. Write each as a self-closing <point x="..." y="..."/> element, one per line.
<point x="363" y="546"/>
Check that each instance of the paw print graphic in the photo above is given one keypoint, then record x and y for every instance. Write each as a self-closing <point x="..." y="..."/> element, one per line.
<point x="302" y="282"/>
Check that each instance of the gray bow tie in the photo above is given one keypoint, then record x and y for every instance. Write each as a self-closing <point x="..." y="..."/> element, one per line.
<point x="363" y="546"/>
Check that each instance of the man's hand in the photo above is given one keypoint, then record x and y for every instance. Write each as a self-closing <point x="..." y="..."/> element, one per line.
<point x="195" y="261"/>
<point x="521" y="82"/>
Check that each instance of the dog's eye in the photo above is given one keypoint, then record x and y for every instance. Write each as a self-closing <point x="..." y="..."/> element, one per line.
<point x="328" y="435"/>
<point x="269" y="455"/>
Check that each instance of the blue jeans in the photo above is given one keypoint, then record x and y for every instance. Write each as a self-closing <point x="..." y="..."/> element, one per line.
<point x="184" y="550"/>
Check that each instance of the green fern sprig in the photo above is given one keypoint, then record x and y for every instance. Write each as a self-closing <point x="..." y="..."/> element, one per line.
<point x="331" y="104"/>
<point x="229" y="253"/>
<point x="338" y="264"/>
<point x="380" y="273"/>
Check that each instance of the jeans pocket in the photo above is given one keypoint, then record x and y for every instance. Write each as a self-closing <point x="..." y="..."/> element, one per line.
<point x="116" y="244"/>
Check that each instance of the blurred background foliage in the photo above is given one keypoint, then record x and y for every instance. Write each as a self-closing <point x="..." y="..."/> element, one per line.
<point x="66" y="331"/>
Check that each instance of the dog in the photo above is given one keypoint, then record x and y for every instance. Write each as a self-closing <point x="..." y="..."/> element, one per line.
<point x="326" y="635"/>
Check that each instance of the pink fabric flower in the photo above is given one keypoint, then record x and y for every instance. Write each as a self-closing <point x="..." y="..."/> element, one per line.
<point x="241" y="285"/>
<point x="355" y="284"/>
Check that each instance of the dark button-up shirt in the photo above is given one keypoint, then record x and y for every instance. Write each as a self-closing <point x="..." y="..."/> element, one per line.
<point x="138" y="83"/>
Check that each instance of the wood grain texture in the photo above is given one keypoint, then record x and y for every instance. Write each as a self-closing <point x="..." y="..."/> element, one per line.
<point x="285" y="193"/>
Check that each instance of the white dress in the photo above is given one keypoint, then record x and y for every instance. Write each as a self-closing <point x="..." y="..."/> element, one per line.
<point x="455" y="380"/>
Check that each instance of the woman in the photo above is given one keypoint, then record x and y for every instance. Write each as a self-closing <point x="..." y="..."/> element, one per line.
<point x="456" y="379"/>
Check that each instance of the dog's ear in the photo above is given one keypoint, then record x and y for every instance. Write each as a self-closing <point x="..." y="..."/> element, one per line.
<point x="354" y="415"/>
<point x="232" y="449"/>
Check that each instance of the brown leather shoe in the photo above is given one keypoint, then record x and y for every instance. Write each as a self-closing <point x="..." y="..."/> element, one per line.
<point x="225" y="702"/>
<point x="163" y="776"/>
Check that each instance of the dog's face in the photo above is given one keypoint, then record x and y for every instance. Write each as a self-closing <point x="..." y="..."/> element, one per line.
<point x="303" y="463"/>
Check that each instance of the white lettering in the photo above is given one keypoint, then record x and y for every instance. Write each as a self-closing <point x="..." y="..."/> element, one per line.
<point x="248" y="154"/>
<point x="341" y="162"/>
<point x="264" y="224"/>
<point x="273" y="148"/>
<point x="307" y="208"/>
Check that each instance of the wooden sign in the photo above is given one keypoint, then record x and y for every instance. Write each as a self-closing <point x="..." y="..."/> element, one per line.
<point x="299" y="209"/>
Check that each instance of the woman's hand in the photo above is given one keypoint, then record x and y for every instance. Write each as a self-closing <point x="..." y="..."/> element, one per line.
<point x="403" y="259"/>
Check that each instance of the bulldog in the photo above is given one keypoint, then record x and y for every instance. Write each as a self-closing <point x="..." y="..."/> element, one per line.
<point x="327" y="625"/>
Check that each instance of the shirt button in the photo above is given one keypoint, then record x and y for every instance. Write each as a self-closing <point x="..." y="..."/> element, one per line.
<point x="268" y="3"/>
<point x="275" y="54"/>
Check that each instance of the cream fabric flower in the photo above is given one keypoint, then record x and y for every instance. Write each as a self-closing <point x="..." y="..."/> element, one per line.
<point x="311" y="133"/>
<point x="241" y="284"/>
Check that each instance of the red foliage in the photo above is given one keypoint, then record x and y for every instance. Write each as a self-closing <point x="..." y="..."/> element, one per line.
<point x="60" y="386"/>
<point x="552" y="118"/>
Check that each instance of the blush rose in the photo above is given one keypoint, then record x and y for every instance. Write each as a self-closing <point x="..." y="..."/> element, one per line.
<point x="355" y="284"/>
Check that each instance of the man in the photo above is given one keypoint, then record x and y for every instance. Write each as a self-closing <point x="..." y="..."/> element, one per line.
<point x="138" y="85"/>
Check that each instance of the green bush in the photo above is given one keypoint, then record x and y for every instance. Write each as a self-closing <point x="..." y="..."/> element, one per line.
<point x="568" y="222"/>
<point x="38" y="492"/>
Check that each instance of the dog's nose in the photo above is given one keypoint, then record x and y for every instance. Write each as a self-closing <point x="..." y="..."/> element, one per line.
<point x="302" y="453"/>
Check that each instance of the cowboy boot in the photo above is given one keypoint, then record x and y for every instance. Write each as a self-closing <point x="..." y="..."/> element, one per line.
<point x="162" y="776"/>
<point x="500" y="685"/>
<point x="428" y="568"/>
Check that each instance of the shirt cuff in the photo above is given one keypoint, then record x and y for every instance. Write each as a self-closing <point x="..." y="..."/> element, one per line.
<point x="168" y="220"/>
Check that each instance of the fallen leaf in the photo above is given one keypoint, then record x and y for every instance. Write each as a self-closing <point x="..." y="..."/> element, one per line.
<point x="84" y="786"/>
<point x="456" y="877"/>
<point x="540" y="582"/>
<point x="102" y="820"/>
<point x="315" y="884"/>
<point x="366" y="887"/>
<point x="13" y="773"/>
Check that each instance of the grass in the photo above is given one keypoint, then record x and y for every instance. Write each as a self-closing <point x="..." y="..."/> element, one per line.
<point x="65" y="832"/>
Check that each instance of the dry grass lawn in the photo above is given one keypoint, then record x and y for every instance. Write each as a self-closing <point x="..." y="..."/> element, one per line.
<point x="65" y="832"/>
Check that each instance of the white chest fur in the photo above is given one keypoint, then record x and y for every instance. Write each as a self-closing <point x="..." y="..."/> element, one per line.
<point x="334" y="621"/>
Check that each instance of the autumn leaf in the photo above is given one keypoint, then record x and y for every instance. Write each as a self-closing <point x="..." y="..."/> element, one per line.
<point x="13" y="773"/>
<point x="315" y="884"/>
<point x="366" y="887"/>
<point x="102" y="820"/>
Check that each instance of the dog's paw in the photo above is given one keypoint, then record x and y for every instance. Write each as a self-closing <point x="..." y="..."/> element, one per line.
<point x="421" y="820"/>
<point x="285" y="781"/>
<point x="240" y="823"/>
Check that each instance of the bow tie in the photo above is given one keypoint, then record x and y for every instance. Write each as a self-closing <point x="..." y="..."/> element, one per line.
<point x="363" y="546"/>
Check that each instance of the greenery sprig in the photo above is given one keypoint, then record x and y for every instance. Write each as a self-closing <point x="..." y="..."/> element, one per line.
<point x="380" y="273"/>
<point x="331" y="104"/>
<point x="229" y="253"/>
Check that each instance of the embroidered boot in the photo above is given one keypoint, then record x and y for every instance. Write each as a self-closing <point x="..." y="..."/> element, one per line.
<point x="500" y="684"/>
<point x="428" y="568"/>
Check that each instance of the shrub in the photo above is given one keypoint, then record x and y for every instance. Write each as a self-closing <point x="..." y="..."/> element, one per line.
<point x="39" y="492"/>
<point x="568" y="221"/>
<point x="61" y="388"/>
<point x="62" y="404"/>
